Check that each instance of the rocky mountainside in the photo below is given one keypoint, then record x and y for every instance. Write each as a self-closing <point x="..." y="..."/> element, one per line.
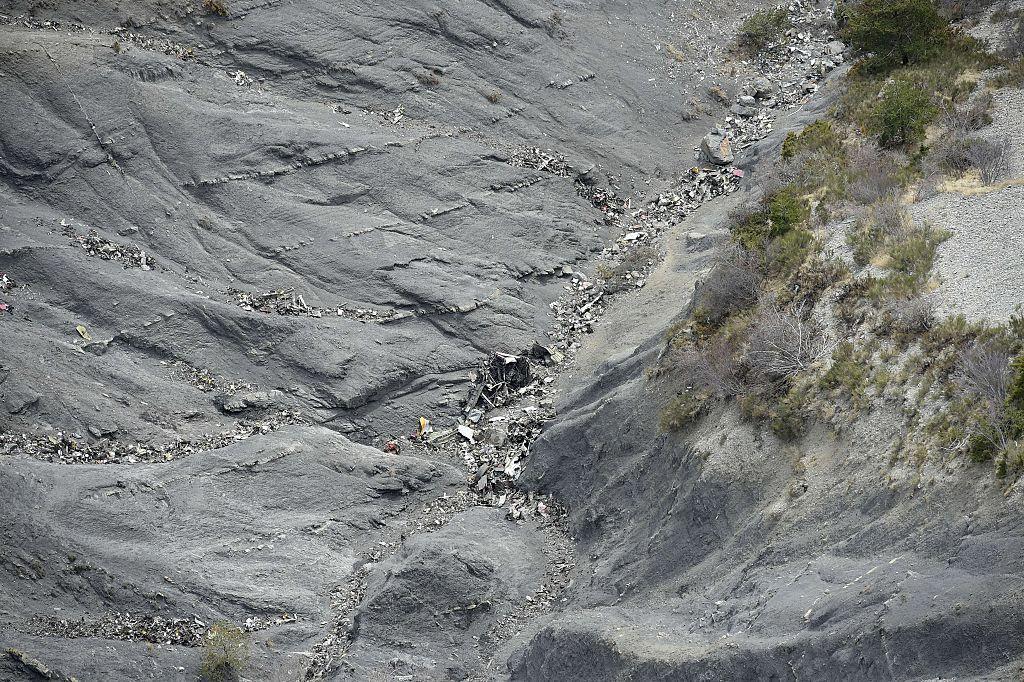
<point x="342" y="342"/>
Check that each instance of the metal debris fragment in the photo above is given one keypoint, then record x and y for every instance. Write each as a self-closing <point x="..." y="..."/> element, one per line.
<point x="128" y="255"/>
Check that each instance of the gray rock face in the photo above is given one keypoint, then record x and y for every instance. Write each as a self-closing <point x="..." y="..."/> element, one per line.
<point x="726" y="554"/>
<point x="338" y="210"/>
<point x="716" y="148"/>
<point x="333" y="209"/>
<point x="360" y="175"/>
<point x="261" y="530"/>
<point x="448" y="594"/>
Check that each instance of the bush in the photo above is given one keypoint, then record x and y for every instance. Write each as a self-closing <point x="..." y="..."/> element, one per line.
<point x="1013" y="39"/>
<point x="787" y="253"/>
<point x="994" y="396"/>
<point x="787" y="210"/>
<point x="989" y="158"/>
<point x="968" y="119"/>
<point x="911" y="316"/>
<point x="225" y="653"/>
<point x="1013" y="77"/>
<point x="958" y="152"/>
<point x="710" y="370"/>
<point x="217" y="7"/>
<point x="895" y="31"/>
<point x="782" y="343"/>
<point x="886" y="222"/>
<point x="818" y="136"/>
<point x="733" y="284"/>
<point x="762" y="29"/>
<point x="849" y="371"/>
<point x="779" y="212"/>
<point x="873" y="174"/>
<point x="1015" y="398"/>
<point x="681" y="411"/>
<point x="901" y="115"/>
<point x="911" y="263"/>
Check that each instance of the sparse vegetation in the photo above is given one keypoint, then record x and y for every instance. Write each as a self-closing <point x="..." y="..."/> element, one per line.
<point x="429" y="78"/>
<point x="817" y="137"/>
<point x="752" y="337"/>
<point x="991" y="381"/>
<point x="762" y="29"/>
<point x="493" y="96"/>
<point x="1013" y="76"/>
<point x="782" y="342"/>
<point x="218" y="7"/>
<point x="225" y="653"/>
<point x="674" y="52"/>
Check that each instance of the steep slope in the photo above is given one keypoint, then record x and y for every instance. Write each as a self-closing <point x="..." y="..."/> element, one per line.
<point x="219" y="228"/>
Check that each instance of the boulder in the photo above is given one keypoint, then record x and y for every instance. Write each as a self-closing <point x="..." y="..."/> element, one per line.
<point x="834" y="48"/>
<point x="716" y="148"/>
<point x="762" y="88"/>
<point x="743" y="111"/>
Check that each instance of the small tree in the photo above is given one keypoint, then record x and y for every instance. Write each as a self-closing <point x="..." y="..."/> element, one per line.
<point x="225" y="653"/>
<point x="894" y="30"/>
<point x="901" y="115"/>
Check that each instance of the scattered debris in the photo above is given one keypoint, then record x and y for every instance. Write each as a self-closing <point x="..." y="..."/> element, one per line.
<point x="257" y="623"/>
<point x="177" y="50"/>
<point x="125" y="627"/>
<point x="537" y="159"/>
<point x="368" y="314"/>
<point x="206" y="381"/>
<point x="393" y="117"/>
<point x="71" y="448"/>
<point x="49" y="24"/>
<point x="241" y="78"/>
<point x="280" y="302"/>
<point x="128" y="255"/>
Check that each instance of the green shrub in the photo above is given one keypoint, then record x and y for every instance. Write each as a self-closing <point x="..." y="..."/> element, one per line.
<point x="788" y="252"/>
<point x="849" y="371"/>
<point x="1015" y="398"/>
<point x="787" y="210"/>
<point x="752" y="229"/>
<point x="895" y="31"/>
<point x="786" y="419"/>
<point x="225" y="653"/>
<point x="914" y="255"/>
<point x="778" y="214"/>
<point x="681" y="411"/>
<point x="762" y="28"/>
<point x="818" y="136"/>
<point x="899" y="118"/>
